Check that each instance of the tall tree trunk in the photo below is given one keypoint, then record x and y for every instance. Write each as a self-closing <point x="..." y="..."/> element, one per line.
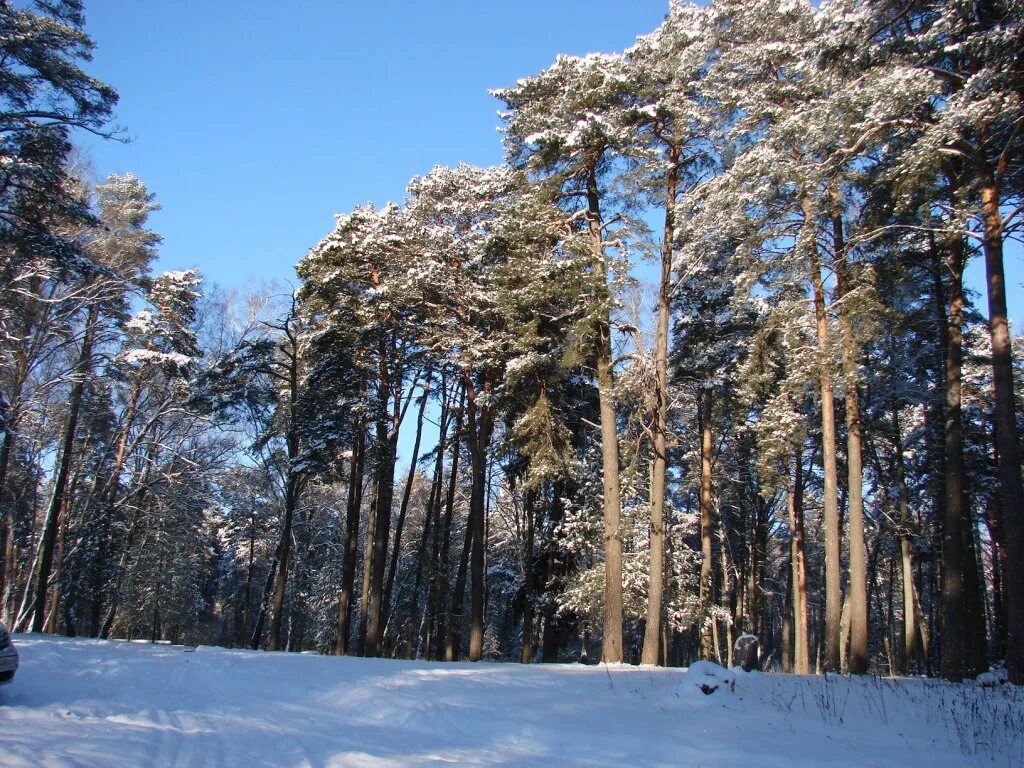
<point x="481" y="421"/>
<point x="454" y="639"/>
<point x="611" y="648"/>
<point x="242" y="630"/>
<point x="387" y="445"/>
<point x="1007" y="437"/>
<point x="994" y="524"/>
<point x="7" y="531"/>
<point x="265" y="596"/>
<point x="364" y="593"/>
<point x="529" y="510"/>
<point x="706" y="523"/>
<point x="975" y="650"/>
<point x="787" y="621"/>
<point x="291" y="491"/>
<point x="833" y="583"/>
<point x="429" y="534"/>
<point x="553" y="565"/>
<point x="798" y="562"/>
<point x="656" y="580"/>
<point x="952" y="532"/>
<point x="913" y="637"/>
<point x="50" y="626"/>
<point x="430" y="524"/>
<point x="31" y="329"/>
<point x="439" y="578"/>
<point x="353" y="507"/>
<point x="54" y="511"/>
<point x="857" y="586"/>
<point x="396" y="549"/>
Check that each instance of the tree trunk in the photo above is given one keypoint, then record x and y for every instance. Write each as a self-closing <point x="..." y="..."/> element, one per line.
<point x="1007" y="437"/>
<point x="353" y="507"/>
<point x="454" y="639"/>
<point x="975" y="651"/>
<point x="242" y="630"/>
<point x="833" y="584"/>
<point x="396" y="549"/>
<point x="439" y="578"/>
<point x="553" y="565"/>
<point x="529" y="504"/>
<point x="481" y="421"/>
<point x="431" y="523"/>
<point x="261" y="614"/>
<point x="857" y="587"/>
<point x="291" y="493"/>
<point x="994" y="524"/>
<point x="706" y="523"/>
<point x="913" y="638"/>
<point x="387" y="445"/>
<point x="54" y="511"/>
<point x="611" y="648"/>
<point x="655" y="581"/>
<point x="798" y="561"/>
<point x="952" y="533"/>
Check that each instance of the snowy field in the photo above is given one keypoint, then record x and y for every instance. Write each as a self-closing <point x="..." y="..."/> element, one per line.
<point x="95" y="703"/>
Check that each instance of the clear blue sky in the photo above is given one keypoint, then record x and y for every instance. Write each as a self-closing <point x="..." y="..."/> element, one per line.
<point x="255" y="122"/>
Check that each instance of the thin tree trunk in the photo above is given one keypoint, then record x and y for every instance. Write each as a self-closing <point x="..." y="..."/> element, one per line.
<point x="912" y="638"/>
<point x="994" y="524"/>
<point x="529" y="504"/>
<point x="857" y="586"/>
<point x="787" y="621"/>
<point x="833" y="584"/>
<point x="432" y="521"/>
<point x="396" y="549"/>
<point x="353" y="507"/>
<point x="387" y="446"/>
<point x="611" y="647"/>
<point x="706" y="523"/>
<point x="798" y="561"/>
<point x="655" y="582"/>
<point x="242" y="631"/>
<point x="54" y="511"/>
<point x="291" y="493"/>
<point x="481" y="420"/>
<point x="975" y="651"/>
<point x="551" y="637"/>
<point x="451" y="650"/>
<point x="439" y="582"/>
<point x="431" y="524"/>
<point x="952" y="533"/>
<point x="364" y="594"/>
<point x="261" y="614"/>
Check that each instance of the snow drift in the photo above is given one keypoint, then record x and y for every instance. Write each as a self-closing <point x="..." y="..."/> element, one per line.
<point x="96" y="703"/>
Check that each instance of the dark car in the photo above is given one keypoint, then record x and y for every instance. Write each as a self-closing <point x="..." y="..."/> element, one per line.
<point x="8" y="656"/>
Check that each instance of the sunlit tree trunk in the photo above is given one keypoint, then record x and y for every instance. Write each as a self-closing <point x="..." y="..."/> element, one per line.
<point x="655" y="581"/>
<point x="833" y="585"/>
<point x="611" y="648"/>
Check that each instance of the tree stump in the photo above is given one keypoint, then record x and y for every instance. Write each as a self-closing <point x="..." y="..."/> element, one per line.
<point x="745" y="651"/>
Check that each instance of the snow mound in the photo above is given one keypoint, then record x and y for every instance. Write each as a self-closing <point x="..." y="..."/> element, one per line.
<point x="709" y="677"/>
<point x="992" y="678"/>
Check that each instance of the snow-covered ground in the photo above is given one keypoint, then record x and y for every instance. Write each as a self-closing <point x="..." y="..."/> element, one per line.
<point x="95" y="703"/>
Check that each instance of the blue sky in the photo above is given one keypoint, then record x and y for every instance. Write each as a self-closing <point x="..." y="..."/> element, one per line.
<point x="255" y="122"/>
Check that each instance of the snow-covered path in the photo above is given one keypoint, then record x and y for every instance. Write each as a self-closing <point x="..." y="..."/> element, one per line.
<point x="94" y="703"/>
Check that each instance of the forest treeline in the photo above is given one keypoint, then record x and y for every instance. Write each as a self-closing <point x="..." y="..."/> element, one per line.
<point x="697" y="360"/>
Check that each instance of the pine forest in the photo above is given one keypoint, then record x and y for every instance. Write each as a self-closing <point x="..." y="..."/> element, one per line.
<point x="700" y="360"/>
